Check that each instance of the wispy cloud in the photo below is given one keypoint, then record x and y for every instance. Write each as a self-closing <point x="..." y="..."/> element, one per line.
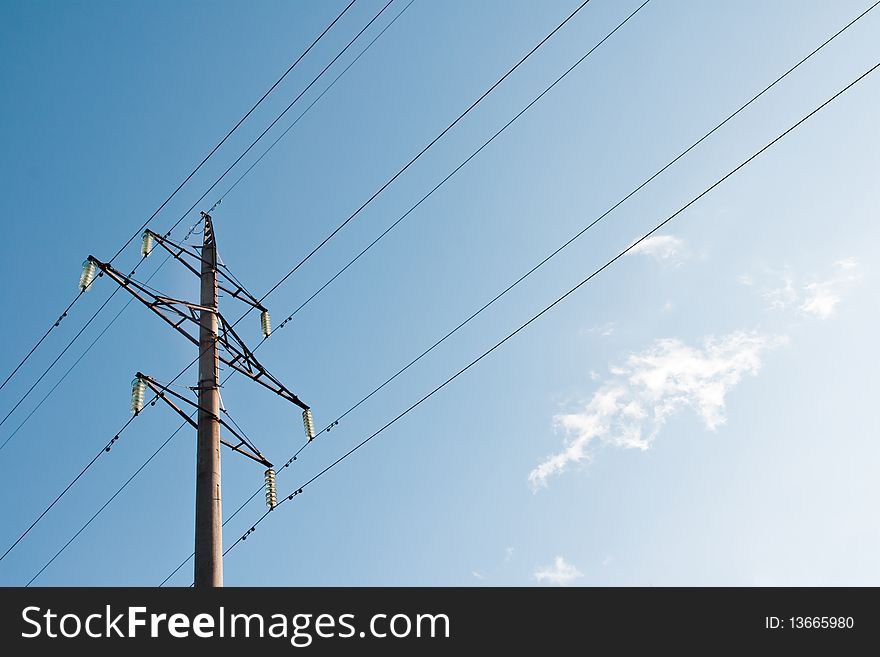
<point x="782" y="296"/>
<point x="631" y="408"/>
<point x="561" y="573"/>
<point x="603" y="330"/>
<point x="666" y="249"/>
<point x="821" y="300"/>
<point x="820" y="297"/>
<point x="488" y="574"/>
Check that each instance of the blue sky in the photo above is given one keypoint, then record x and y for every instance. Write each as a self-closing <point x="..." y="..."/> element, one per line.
<point x="696" y="415"/>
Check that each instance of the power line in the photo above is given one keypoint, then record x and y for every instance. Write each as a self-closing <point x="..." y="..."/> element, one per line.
<point x="574" y="237"/>
<point x="40" y="341"/>
<point x="138" y="471"/>
<point x="185" y="214"/>
<point x="290" y="317"/>
<point x="315" y="79"/>
<point x="74" y="364"/>
<point x="459" y="167"/>
<point x="107" y="449"/>
<point x="606" y="213"/>
<point x="364" y="205"/>
<point x="312" y="104"/>
<point x="425" y="149"/>
<point x="64" y="376"/>
<point x="106" y="504"/>
<point x="281" y="115"/>
<point x="81" y="356"/>
<point x="486" y="93"/>
<point x="116" y="494"/>
<point x="104" y="449"/>
<point x="235" y="127"/>
<point x="577" y="235"/>
<point x="179" y="187"/>
<point x="236" y="322"/>
<point x="54" y="362"/>
<point x="236" y="512"/>
<point x="175" y="225"/>
<point x="558" y="300"/>
<point x="77" y="361"/>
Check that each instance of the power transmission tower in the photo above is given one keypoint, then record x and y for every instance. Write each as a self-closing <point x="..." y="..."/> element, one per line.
<point x="218" y="343"/>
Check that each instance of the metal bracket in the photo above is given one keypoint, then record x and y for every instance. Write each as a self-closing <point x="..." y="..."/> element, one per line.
<point x="177" y="313"/>
<point x="244" y="446"/>
<point x="243" y="360"/>
<point x="232" y="287"/>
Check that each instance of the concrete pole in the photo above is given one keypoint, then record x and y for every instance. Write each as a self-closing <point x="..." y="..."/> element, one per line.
<point x="209" y="515"/>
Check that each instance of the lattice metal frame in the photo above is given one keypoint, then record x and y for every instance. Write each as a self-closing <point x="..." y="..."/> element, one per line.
<point x="243" y="446"/>
<point x="178" y="314"/>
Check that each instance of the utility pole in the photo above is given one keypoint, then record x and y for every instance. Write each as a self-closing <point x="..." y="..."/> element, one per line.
<point x="209" y="514"/>
<point x="203" y="325"/>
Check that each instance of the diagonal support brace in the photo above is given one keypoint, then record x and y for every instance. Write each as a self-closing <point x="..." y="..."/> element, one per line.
<point x="244" y="446"/>
<point x="177" y="314"/>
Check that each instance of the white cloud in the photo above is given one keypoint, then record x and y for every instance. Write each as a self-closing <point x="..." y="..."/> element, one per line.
<point x="821" y="298"/>
<point x="508" y="555"/>
<point x="630" y="409"/>
<point x="848" y="264"/>
<point x="561" y="573"/>
<point x="594" y="375"/>
<point x="478" y="575"/>
<point x="667" y="249"/>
